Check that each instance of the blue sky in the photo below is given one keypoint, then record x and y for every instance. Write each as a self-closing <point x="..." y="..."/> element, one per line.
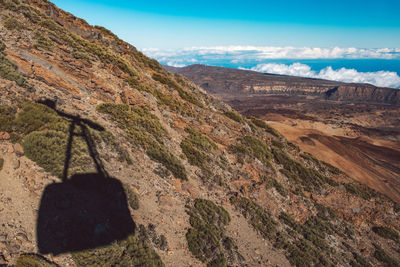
<point x="176" y="24"/>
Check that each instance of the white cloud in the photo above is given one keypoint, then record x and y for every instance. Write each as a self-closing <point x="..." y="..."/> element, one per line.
<point x="175" y="64"/>
<point x="378" y="78"/>
<point x="238" y="53"/>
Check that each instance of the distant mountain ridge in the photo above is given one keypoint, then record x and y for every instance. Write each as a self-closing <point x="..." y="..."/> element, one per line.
<point x="221" y="80"/>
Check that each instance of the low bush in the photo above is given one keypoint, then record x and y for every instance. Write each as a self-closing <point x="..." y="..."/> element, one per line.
<point x="298" y="173"/>
<point x="80" y="55"/>
<point x="185" y="95"/>
<point x="207" y="239"/>
<point x="262" y="124"/>
<point x="146" y="61"/>
<point x="200" y="140"/>
<point x="82" y="45"/>
<point x="48" y="149"/>
<point x="44" y="135"/>
<point x="145" y="130"/>
<point x="195" y="156"/>
<point x="9" y="70"/>
<point x="303" y="254"/>
<point x="188" y="96"/>
<point x="359" y="261"/>
<point x="133" y="199"/>
<point x="251" y="146"/>
<point x="196" y="147"/>
<point x="381" y="256"/>
<point x="387" y="232"/>
<point x="257" y="216"/>
<point x="361" y="191"/>
<point x="272" y="182"/>
<point x="2" y="46"/>
<point x="234" y="116"/>
<point x="43" y="41"/>
<point x="7" y="116"/>
<point x="13" y="24"/>
<point x="129" y="252"/>
<point x="33" y="260"/>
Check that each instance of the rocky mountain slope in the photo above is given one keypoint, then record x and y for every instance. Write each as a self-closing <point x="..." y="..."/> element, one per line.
<point x="353" y="127"/>
<point x="220" y="80"/>
<point x="108" y="159"/>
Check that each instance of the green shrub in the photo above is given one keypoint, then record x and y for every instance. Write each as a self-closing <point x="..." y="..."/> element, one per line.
<point x="200" y="140"/>
<point x="162" y="99"/>
<point x="303" y="253"/>
<point x="13" y="24"/>
<point x="33" y="117"/>
<point x="195" y="156"/>
<point x="129" y="252"/>
<point x="387" y="232"/>
<point x="272" y="182"/>
<point x="381" y="256"/>
<point x="219" y="261"/>
<point x="43" y="41"/>
<point x="9" y="4"/>
<point x="251" y="146"/>
<point x="257" y="217"/>
<point x="133" y="199"/>
<point x="146" y="61"/>
<point x="33" y="260"/>
<point x="321" y="165"/>
<point x="7" y="116"/>
<point x="298" y="173"/>
<point x="196" y="147"/>
<point x="80" y="55"/>
<point x="30" y="13"/>
<point x="48" y="149"/>
<point x="206" y="239"/>
<point x="45" y="136"/>
<point x="359" y="261"/>
<point x="145" y="130"/>
<point x="277" y="144"/>
<point x="9" y="71"/>
<point x="262" y="124"/>
<point x="82" y="45"/>
<point x="360" y="190"/>
<point x="188" y="96"/>
<point x="234" y="116"/>
<point x="106" y="31"/>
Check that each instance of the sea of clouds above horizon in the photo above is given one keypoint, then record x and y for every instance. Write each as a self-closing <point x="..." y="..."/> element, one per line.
<point x="257" y="55"/>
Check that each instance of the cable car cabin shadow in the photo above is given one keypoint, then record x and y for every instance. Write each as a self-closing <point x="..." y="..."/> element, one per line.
<point x="84" y="211"/>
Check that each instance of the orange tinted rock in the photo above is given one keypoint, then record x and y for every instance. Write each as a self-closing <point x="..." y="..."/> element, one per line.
<point x="18" y="149"/>
<point x="4" y="136"/>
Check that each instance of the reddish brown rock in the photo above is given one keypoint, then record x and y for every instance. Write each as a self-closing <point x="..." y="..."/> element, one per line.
<point x="4" y="136"/>
<point x="19" y="150"/>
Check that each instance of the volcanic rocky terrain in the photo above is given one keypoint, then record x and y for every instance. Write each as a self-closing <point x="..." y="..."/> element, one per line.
<point x="108" y="159"/>
<point x="355" y="127"/>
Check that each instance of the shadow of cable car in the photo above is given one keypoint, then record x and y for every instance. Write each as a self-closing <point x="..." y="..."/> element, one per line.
<point x="86" y="210"/>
